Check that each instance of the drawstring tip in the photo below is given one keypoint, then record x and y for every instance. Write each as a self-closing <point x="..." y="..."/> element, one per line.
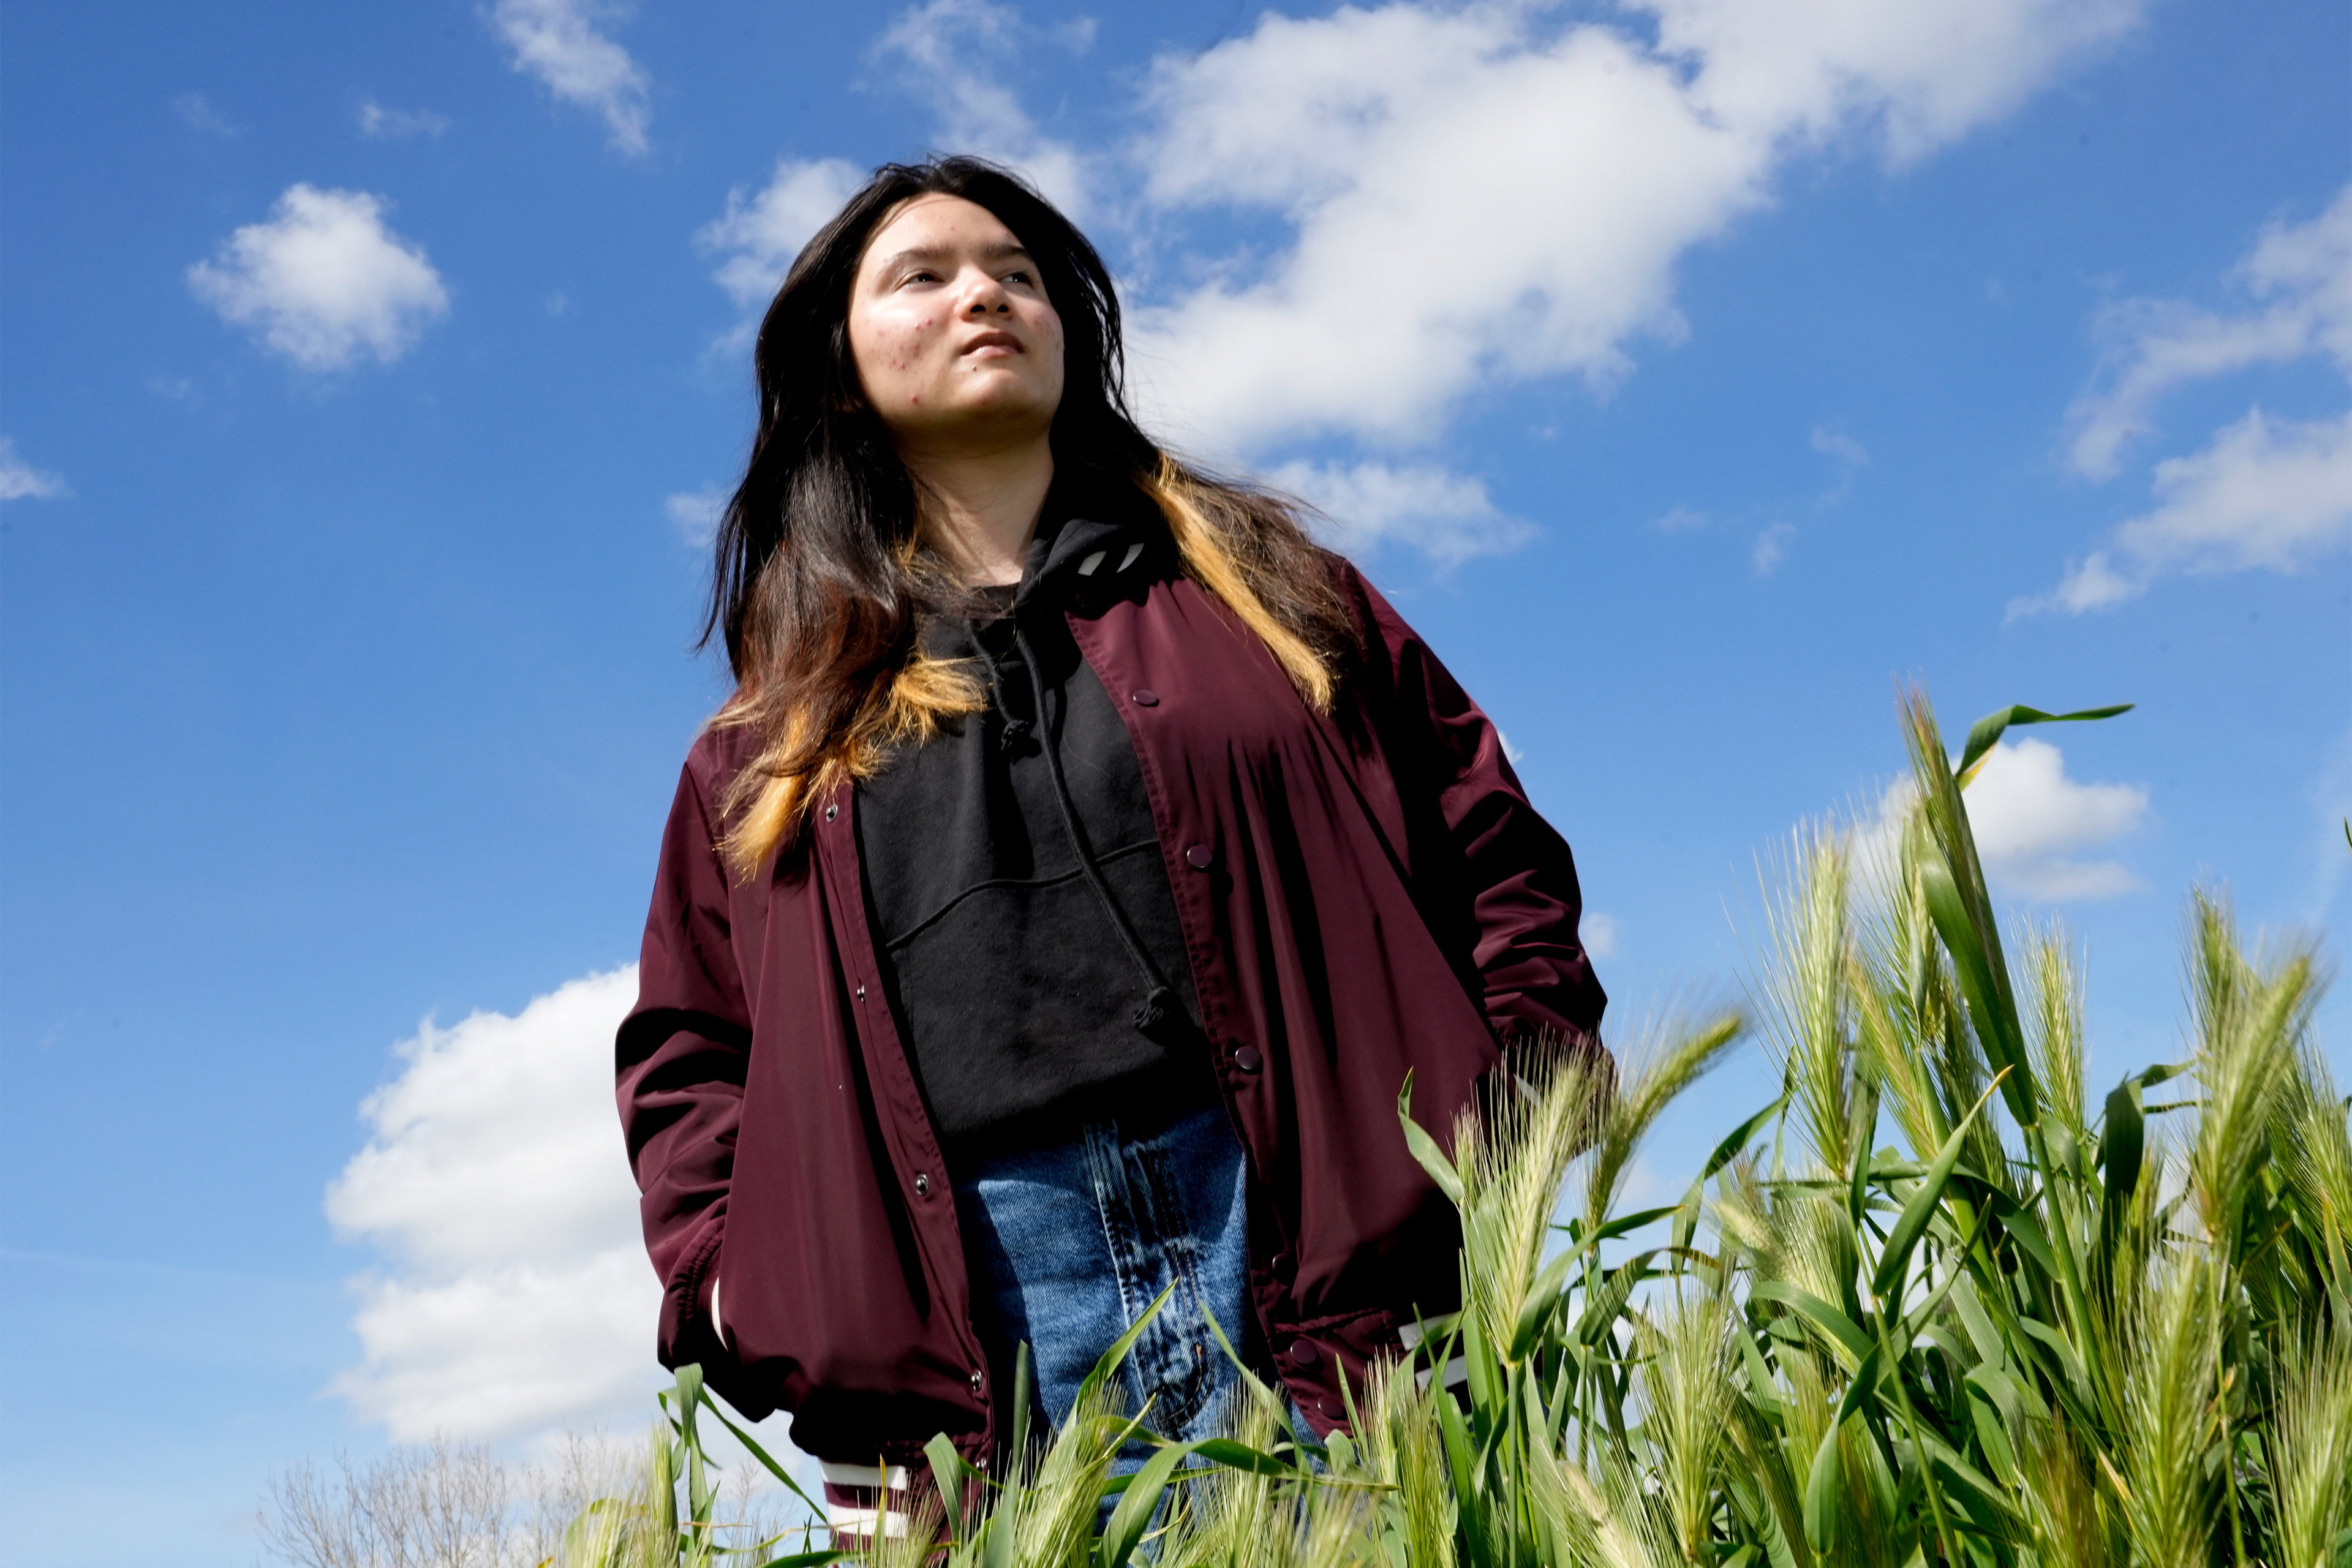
<point x="1155" y="1009"/>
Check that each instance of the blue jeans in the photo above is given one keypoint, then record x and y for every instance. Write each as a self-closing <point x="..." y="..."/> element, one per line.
<point x="1069" y="1244"/>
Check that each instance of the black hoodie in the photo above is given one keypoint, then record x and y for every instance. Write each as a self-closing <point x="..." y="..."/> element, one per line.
<point x="1029" y="945"/>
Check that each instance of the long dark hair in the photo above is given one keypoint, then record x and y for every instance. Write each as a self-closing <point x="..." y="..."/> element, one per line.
<point x="821" y="573"/>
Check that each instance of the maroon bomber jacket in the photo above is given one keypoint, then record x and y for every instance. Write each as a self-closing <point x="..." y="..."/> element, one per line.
<point x="1363" y="896"/>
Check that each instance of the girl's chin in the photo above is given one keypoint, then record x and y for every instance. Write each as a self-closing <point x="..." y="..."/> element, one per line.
<point x="992" y="403"/>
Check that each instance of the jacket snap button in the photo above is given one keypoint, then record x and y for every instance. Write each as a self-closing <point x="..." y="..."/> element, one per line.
<point x="1285" y="1267"/>
<point x="831" y="812"/>
<point x="1331" y="1408"/>
<point x="1144" y="698"/>
<point x="976" y="1380"/>
<point x="1198" y="857"/>
<point x="922" y="1184"/>
<point x="1304" y="1353"/>
<point x="861" y="993"/>
<point x="1247" y="1059"/>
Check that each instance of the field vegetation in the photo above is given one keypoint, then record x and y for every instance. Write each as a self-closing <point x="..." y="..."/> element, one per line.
<point x="1944" y="1301"/>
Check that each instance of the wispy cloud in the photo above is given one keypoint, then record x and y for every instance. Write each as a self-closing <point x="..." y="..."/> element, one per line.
<point x="196" y="112"/>
<point x="1846" y="453"/>
<point x="1837" y="444"/>
<point x="513" y="1294"/>
<point x="759" y="235"/>
<point x="19" y="481"/>
<point x="559" y="43"/>
<point x="1771" y="548"/>
<point x="2262" y="492"/>
<point x="324" y="281"/>
<point x="378" y="123"/>
<point x="695" y="513"/>
<point x="1365" y="505"/>
<point x="2300" y="276"/>
<point x="1599" y="932"/>
<point x="952" y="52"/>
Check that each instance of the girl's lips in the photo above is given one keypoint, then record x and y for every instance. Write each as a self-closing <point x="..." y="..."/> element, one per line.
<point x="1004" y="341"/>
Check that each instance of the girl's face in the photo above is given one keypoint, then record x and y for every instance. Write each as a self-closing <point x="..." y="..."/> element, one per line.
<point x="956" y="345"/>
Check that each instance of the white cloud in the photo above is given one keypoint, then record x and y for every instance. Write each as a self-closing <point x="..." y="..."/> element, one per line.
<point x="2031" y="821"/>
<point x="558" y="42"/>
<point x="1366" y="505"/>
<point x="380" y="124"/>
<point x="1681" y="520"/>
<point x="2262" y="493"/>
<point x="2031" y="825"/>
<point x="1771" y="548"/>
<point x="695" y="513"/>
<point x="323" y="280"/>
<point x="761" y="234"/>
<point x="2303" y="271"/>
<point x="1483" y="195"/>
<point x="19" y="481"/>
<point x="1915" y="75"/>
<point x="948" y="47"/>
<point x="515" y="1294"/>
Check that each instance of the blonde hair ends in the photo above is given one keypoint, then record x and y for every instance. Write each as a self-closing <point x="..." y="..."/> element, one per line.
<point x="1218" y="530"/>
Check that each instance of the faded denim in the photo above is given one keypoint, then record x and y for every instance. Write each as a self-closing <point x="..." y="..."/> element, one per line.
<point x="1069" y="1246"/>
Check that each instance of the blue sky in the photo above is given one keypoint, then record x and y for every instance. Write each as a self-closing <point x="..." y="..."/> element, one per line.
<point x="1689" y="371"/>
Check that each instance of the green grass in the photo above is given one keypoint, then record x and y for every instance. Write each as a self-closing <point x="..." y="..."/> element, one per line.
<point x="1942" y="1302"/>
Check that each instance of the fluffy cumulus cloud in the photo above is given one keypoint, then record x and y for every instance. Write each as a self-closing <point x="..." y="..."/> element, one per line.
<point x="559" y="44"/>
<point x="2036" y="828"/>
<point x="514" y="1294"/>
<point x="1481" y="195"/>
<point x="323" y="281"/>
<point x="2033" y="825"/>
<point x="2262" y="492"/>
<point x="1463" y="198"/>
<point x="19" y="481"/>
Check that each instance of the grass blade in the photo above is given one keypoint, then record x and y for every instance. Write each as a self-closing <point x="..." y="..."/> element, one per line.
<point x="1922" y="1206"/>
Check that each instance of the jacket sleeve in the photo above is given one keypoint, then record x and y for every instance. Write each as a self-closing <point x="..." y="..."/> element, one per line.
<point x="681" y="1056"/>
<point x="1513" y="881"/>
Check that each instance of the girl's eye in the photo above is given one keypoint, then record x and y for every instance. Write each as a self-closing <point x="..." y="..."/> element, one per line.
<point x="1018" y="278"/>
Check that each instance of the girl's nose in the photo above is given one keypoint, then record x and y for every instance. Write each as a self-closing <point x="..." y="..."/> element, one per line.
<point x="988" y="295"/>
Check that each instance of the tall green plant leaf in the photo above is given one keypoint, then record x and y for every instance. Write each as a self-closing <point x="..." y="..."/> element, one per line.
<point x="1916" y="1212"/>
<point x="1987" y="730"/>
